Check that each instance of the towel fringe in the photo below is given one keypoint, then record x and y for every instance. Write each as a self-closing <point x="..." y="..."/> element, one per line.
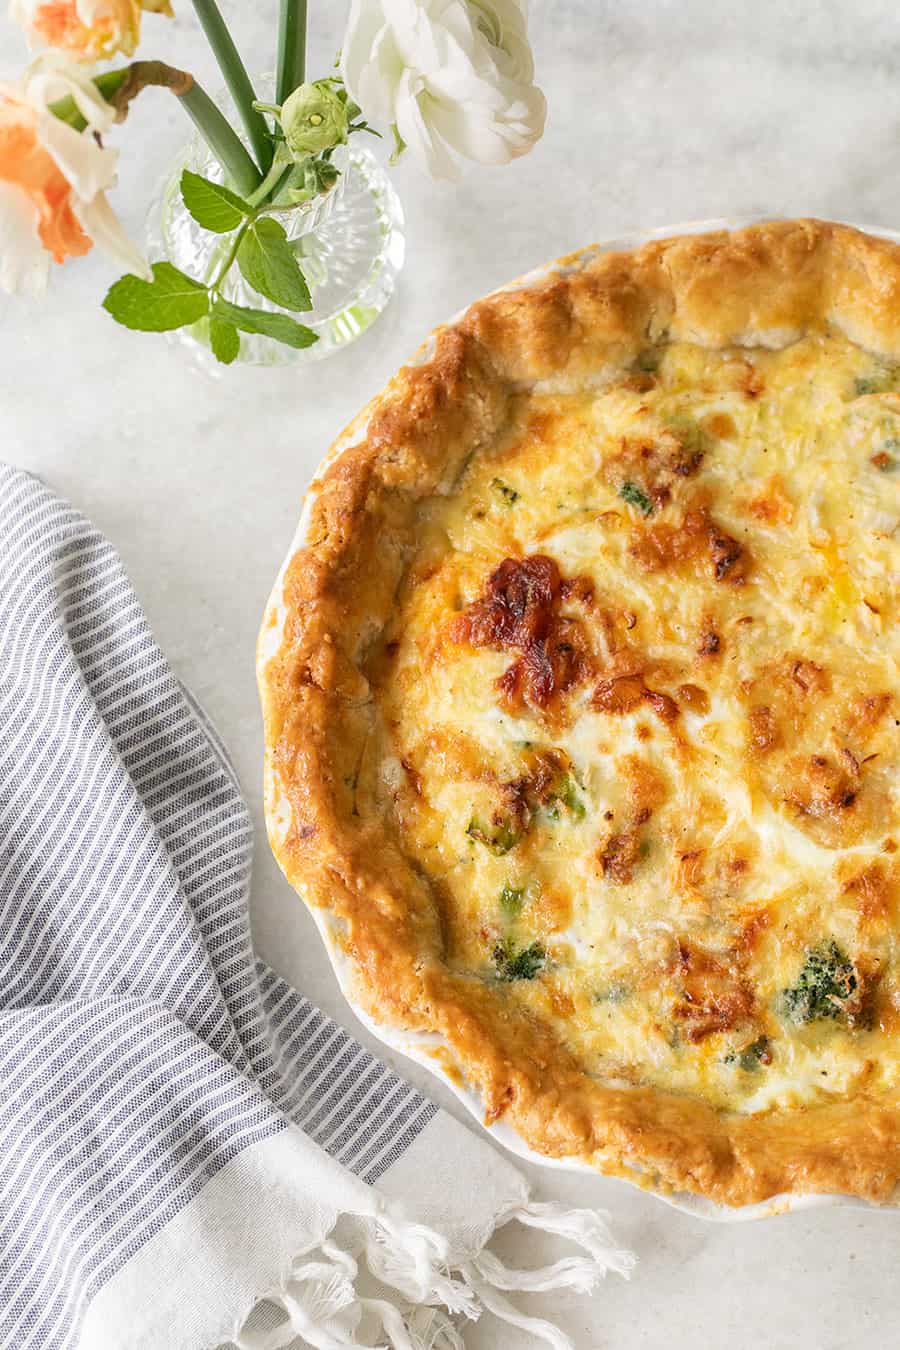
<point x="586" y="1228"/>
<point x="322" y="1305"/>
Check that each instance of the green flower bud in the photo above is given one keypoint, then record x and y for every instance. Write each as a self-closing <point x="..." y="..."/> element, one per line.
<point x="315" y="177"/>
<point x="314" y="117"/>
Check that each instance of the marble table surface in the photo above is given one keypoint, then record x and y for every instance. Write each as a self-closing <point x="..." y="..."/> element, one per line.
<point x="659" y="112"/>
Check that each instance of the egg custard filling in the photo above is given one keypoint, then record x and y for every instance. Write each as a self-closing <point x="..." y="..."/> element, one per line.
<point x="638" y="720"/>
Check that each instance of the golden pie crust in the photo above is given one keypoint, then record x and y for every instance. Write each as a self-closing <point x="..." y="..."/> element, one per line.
<point x="764" y="287"/>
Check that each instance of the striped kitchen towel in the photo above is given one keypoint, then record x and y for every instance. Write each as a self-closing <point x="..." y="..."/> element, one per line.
<point x="190" y="1152"/>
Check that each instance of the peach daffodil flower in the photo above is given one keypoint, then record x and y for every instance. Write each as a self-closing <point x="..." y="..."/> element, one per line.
<point x="53" y="179"/>
<point x="88" y="30"/>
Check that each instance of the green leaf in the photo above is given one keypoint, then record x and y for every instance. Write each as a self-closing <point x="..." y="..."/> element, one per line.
<point x="211" y="204"/>
<point x="277" y="326"/>
<point x="224" y="340"/>
<point x="170" y="300"/>
<point x="267" y="263"/>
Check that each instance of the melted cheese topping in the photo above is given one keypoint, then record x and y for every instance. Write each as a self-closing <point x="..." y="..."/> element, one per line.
<point x="658" y="852"/>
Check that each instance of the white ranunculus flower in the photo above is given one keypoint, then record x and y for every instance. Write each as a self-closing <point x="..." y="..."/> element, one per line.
<point x="53" y="179"/>
<point x="449" y="75"/>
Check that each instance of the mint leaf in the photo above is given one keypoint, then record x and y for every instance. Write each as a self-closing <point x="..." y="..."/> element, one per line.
<point x="224" y="340"/>
<point x="169" y="301"/>
<point x="211" y="204"/>
<point x="267" y="263"/>
<point x="277" y="326"/>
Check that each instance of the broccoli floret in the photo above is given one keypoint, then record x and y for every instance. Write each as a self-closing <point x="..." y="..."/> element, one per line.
<point x="518" y="965"/>
<point x="826" y="982"/>
<point x="637" y="497"/>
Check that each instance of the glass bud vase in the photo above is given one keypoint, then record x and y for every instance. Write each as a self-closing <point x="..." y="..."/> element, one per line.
<point x="349" y="244"/>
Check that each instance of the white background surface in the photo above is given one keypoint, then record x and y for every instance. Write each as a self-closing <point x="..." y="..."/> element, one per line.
<point x="658" y="113"/>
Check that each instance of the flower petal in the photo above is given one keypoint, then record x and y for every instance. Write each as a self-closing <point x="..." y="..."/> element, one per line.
<point x="89" y="167"/>
<point x="364" y="23"/>
<point x="453" y="75"/>
<point x="54" y="76"/>
<point x="380" y="78"/>
<point x="24" y="262"/>
<point x="416" y="132"/>
<point x="104" y="227"/>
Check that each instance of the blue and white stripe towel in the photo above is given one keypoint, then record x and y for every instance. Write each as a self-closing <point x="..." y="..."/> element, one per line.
<point x="190" y="1152"/>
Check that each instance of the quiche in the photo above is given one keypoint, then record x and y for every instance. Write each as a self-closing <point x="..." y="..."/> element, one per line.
<point x="581" y="710"/>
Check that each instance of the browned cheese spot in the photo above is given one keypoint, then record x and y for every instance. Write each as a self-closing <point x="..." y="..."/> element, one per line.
<point x="696" y="538"/>
<point x="655" y="463"/>
<point x="715" y="995"/>
<point x="519" y="610"/>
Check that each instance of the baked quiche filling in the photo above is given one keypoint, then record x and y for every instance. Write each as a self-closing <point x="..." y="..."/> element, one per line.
<point x="638" y="720"/>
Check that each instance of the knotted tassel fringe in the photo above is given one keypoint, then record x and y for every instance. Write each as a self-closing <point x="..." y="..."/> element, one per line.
<point x="321" y="1303"/>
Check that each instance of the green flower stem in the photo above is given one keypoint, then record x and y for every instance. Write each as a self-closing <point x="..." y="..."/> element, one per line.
<point x="119" y="87"/>
<point x="230" y="256"/>
<point x="291" y="47"/>
<point x="280" y="184"/>
<point x="255" y="199"/>
<point x="272" y="178"/>
<point x="221" y="138"/>
<point x="107" y="84"/>
<point x="237" y="80"/>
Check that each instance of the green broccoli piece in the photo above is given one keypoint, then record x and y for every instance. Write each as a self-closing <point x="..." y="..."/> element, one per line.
<point x="509" y="495"/>
<point x="637" y="497"/>
<point x="879" y="382"/>
<point x="566" y="797"/>
<point x="511" y="898"/>
<point x="499" y="836"/>
<point x="523" y="964"/>
<point x="616" y="992"/>
<point x="824" y="985"/>
<point x="751" y="1056"/>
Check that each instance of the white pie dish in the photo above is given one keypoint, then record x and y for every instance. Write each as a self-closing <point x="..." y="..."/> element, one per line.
<point x="429" y="1050"/>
